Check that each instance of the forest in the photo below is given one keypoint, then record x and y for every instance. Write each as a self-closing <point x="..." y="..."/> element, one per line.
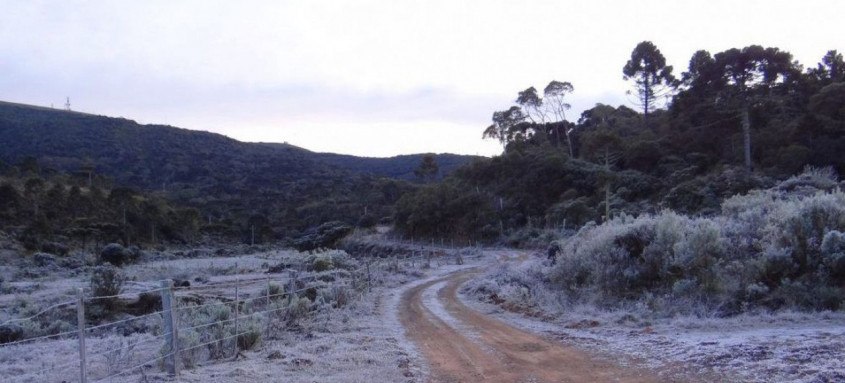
<point x="729" y="122"/>
<point x="69" y="177"/>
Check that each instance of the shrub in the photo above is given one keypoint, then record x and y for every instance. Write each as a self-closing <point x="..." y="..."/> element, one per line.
<point x="54" y="248"/>
<point x="106" y="281"/>
<point x="337" y="296"/>
<point x="44" y="259"/>
<point x="249" y="338"/>
<point x="10" y="333"/>
<point x="190" y="352"/>
<point x="297" y="309"/>
<point x="118" y="255"/>
<point x="778" y="248"/>
<point x="833" y="249"/>
<point x="321" y="264"/>
<point x="274" y="291"/>
<point x="327" y="235"/>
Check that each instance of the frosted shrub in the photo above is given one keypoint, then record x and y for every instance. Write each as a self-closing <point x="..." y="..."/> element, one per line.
<point x="810" y="181"/>
<point x="833" y="249"/>
<point x="337" y="296"/>
<point x="106" y="281"/>
<point x="249" y="336"/>
<point x="773" y="248"/>
<point x="190" y="350"/>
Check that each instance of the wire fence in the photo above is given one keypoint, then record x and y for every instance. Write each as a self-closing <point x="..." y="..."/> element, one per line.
<point x="190" y="326"/>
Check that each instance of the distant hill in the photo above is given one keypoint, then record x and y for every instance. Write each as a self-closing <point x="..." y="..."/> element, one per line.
<point x="398" y="167"/>
<point x="228" y="179"/>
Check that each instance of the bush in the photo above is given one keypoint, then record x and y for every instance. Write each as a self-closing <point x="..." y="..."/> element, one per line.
<point x="321" y="264"/>
<point x="54" y="248"/>
<point x="10" y="333"/>
<point x="118" y="255"/>
<point x="326" y="235"/>
<point x="44" y="259"/>
<point x="107" y="281"/>
<point x="249" y="338"/>
<point x="782" y="247"/>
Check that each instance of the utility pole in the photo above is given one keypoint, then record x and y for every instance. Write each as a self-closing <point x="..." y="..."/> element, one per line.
<point x="67" y="104"/>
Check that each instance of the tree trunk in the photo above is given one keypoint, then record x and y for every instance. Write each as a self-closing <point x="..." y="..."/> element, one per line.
<point x="646" y="99"/>
<point x="607" y="186"/>
<point x="746" y="138"/>
<point x="569" y="143"/>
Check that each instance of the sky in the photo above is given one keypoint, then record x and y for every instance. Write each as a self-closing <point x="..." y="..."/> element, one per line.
<point x="366" y="77"/>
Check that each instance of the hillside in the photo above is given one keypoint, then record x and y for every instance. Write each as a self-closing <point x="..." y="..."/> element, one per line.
<point x="282" y="187"/>
<point x="398" y="167"/>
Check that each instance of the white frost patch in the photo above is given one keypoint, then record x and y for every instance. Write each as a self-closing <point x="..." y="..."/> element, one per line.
<point x="391" y="312"/>
<point x="754" y="348"/>
<point x="433" y="303"/>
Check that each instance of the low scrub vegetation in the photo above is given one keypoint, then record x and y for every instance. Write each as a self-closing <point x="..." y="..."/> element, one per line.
<point x="777" y="248"/>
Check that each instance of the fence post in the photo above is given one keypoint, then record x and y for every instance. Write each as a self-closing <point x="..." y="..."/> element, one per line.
<point x="80" y="324"/>
<point x="237" y="310"/>
<point x="171" y="336"/>
<point x="368" y="276"/>
<point x="292" y="287"/>
<point x="267" y="335"/>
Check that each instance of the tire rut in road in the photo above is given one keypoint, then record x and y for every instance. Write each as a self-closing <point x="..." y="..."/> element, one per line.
<point x="499" y="353"/>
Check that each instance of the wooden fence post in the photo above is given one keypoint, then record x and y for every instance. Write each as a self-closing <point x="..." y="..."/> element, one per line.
<point x="80" y="324"/>
<point x="171" y="337"/>
<point x="267" y="332"/>
<point x="292" y="287"/>
<point x="368" y="276"/>
<point x="237" y="310"/>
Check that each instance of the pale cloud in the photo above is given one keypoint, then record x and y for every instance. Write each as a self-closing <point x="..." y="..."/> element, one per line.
<point x="372" y="77"/>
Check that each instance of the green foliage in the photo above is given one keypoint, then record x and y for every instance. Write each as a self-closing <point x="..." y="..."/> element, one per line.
<point x="226" y="181"/>
<point x="106" y="282"/>
<point x="118" y="255"/>
<point x="428" y="168"/>
<point x="247" y="340"/>
<point x="444" y="210"/>
<point x="782" y="247"/>
<point x="326" y="235"/>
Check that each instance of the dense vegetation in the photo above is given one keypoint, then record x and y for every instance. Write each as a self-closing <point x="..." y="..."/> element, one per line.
<point x="782" y="247"/>
<point x="232" y="190"/>
<point x="738" y="120"/>
<point x="52" y="212"/>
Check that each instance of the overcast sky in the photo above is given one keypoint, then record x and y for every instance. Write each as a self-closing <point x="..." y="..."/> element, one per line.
<point x="373" y="78"/>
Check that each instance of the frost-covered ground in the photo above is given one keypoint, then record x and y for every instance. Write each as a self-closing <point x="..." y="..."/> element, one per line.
<point x="782" y="347"/>
<point x="360" y="342"/>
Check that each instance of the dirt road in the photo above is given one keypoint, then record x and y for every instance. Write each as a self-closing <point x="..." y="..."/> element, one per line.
<point x="482" y="349"/>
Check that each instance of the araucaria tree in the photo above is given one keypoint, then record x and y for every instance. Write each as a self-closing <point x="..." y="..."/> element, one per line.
<point x="652" y="78"/>
<point x="739" y="79"/>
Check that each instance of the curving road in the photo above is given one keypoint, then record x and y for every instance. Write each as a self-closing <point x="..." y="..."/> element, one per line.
<point x="496" y="352"/>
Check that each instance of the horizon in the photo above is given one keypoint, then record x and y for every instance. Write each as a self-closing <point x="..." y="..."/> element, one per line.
<point x="311" y="74"/>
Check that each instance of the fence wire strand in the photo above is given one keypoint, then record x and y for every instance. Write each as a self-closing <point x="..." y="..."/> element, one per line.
<point x="57" y="305"/>
<point x="363" y="270"/>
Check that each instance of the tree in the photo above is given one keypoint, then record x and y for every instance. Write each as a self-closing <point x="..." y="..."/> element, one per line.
<point x="555" y="101"/>
<point x="427" y="170"/>
<point x="746" y="76"/>
<point x="34" y="187"/>
<point x="533" y="106"/>
<point x="504" y="127"/>
<point x="830" y="70"/>
<point x="652" y="77"/>
<point x="729" y="84"/>
<point x="9" y="198"/>
<point x="605" y="147"/>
